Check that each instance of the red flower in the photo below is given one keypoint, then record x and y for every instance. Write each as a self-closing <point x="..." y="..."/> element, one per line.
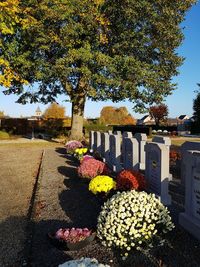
<point x="129" y="179"/>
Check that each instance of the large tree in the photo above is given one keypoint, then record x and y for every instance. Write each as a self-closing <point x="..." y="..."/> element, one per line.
<point x="97" y="49"/>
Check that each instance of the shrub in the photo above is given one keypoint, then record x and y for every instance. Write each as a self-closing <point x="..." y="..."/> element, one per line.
<point x="4" y="135"/>
<point x="133" y="220"/>
<point x="130" y="179"/>
<point x="102" y="184"/>
<point x="91" y="168"/>
<point x="83" y="262"/>
<point x="72" y="145"/>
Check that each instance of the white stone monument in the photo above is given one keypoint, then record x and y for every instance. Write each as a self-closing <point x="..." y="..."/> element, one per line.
<point x="91" y="140"/>
<point x="127" y="134"/>
<point x="115" y="152"/>
<point x="190" y="219"/>
<point x="142" y="139"/>
<point x="105" y="147"/>
<point x="157" y="170"/>
<point x="130" y="155"/>
<point x="97" y="142"/>
<point x="184" y="148"/>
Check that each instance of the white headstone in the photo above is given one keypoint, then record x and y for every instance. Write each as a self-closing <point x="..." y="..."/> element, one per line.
<point x="142" y="139"/>
<point x="97" y="142"/>
<point x="157" y="170"/>
<point x="190" y="219"/>
<point x="130" y="154"/>
<point x="92" y="140"/>
<point x="105" y="146"/>
<point x="127" y="134"/>
<point x="110" y="132"/>
<point x="115" y="152"/>
<point x="186" y="146"/>
<point x="118" y="133"/>
<point x="163" y="140"/>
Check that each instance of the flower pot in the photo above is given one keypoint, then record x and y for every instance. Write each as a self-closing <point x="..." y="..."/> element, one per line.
<point x="64" y="245"/>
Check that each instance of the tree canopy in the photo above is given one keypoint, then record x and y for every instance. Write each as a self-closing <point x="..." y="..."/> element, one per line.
<point x="97" y="49"/>
<point x="159" y="113"/>
<point x="116" y="116"/>
<point x="196" y="108"/>
<point x="54" y="111"/>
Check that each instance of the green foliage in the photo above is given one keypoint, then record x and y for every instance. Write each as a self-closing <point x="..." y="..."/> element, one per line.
<point x="196" y="108"/>
<point x="97" y="49"/>
<point x="4" y="135"/>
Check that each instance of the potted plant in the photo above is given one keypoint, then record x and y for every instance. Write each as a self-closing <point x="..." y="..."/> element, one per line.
<point x="71" y="238"/>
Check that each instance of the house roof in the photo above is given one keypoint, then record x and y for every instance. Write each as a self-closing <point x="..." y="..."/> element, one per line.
<point x="182" y="117"/>
<point x="143" y="118"/>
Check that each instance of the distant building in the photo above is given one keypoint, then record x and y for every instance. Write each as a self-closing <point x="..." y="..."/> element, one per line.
<point x="146" y="120"/>
<point x="172" y="121"/>
<point x="38" y="112"/>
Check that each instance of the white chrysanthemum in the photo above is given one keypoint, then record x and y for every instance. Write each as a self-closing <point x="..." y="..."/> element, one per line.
<point x="83" y="262"/>
<point x="132" y="219"/>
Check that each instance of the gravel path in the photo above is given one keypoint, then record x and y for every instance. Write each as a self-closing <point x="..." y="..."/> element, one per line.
<point x="63" y="200"/>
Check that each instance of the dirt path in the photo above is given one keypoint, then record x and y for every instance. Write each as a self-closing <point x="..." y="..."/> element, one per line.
<point x="18" y="170"/>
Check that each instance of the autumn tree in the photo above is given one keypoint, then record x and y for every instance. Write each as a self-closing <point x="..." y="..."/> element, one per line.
<point x="54" y="111"/>
<point x="2" y="114"/>
<point x="12" y="18"/>
<point x="116" y="116"/>
<point x="97" y="49"/>
<point x="159" y="113"/>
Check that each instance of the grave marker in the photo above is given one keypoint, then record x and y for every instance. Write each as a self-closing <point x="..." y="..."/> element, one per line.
<point x="157" y="170"/>
<point x="91" y="140"/>
<point x="115" y="152"/>
<point x="130" y="153"/>
<point x="97" y="142"/>
<point x="105" y="146"/>
<point x="142" y="139"/>
<point x="190" y="219"/>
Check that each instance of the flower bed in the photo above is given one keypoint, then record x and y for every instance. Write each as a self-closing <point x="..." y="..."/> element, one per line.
<point x="72" y="145"/>
<point x="102" y="184"/>
<point x="91" y="168"/>
<point x="130" y="179"/>
<point x="133" y="220"/>
<point x="83" y="262"/>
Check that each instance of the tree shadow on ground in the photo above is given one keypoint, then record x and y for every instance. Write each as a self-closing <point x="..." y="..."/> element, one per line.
<point x="69" y="159"/>
<point x="18" y="248"/>
<point x="79" y="204"/>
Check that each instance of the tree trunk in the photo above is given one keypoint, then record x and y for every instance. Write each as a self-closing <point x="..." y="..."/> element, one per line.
<point x="78" y="106"/>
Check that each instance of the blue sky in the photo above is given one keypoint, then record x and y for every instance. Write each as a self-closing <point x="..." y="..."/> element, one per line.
<point x="180" y="102"/>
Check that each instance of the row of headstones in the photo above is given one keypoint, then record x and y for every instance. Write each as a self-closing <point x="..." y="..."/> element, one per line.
<point x="153" y="157"/>
<point x="125" y="151"/>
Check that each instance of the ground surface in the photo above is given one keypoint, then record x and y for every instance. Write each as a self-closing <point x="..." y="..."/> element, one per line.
<point x="63" y="200"/>
<point x="19" y="167"/>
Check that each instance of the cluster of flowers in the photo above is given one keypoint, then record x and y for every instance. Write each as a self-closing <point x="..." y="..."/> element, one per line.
<point x="130" y="179"/>
<point x="133" y="220"/>
<point x="102" y="183"/>
<point x="72" y="235"/>
<point x="174" y="155"/>
<point x="90" y="168"/>
<point x="72" y="145"/>
<point x="83" y="262"/>
<point x="79" y="152"/>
